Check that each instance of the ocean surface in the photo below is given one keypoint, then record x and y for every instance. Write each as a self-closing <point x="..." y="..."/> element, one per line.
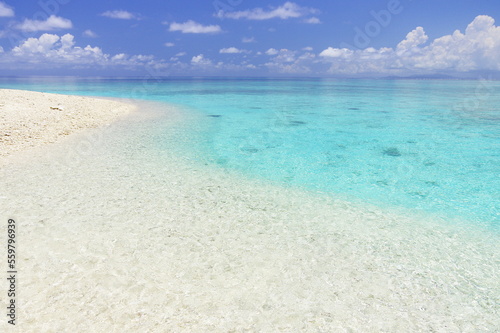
<point x="425" y="146"/>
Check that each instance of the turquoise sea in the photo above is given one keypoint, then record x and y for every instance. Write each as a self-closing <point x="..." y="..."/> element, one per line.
<point x="428" y="146"/>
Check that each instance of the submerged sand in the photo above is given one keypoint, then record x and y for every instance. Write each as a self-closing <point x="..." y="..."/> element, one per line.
<point x="118" y="233"/>
<point x="31" y="119"/>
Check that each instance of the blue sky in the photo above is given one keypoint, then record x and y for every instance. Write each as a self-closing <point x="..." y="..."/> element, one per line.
<point x="250" y="38"/>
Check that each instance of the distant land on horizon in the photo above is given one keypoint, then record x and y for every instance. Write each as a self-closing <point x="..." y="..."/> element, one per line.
<point x="476" y="76"/>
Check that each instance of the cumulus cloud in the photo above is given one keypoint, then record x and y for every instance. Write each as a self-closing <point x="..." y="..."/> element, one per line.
<point x="52" y="51"/>
<point x="476" y="49"/>
<point x="248" y="40"/>
<point x="312" y="20"/>
<point x="169" y="44"/>
<point x="413" y="39"/>
<point x="284" y="55"/>
<point x="200" y="60"/>
<point x="336" y="53"/>
<point x="5" y="10"/>
<point x="51" y="23"/>
<point x="197" y="59"/>
<point x="119" y="14"/>
<point x="287" y="61"/>
<point x="89" y="33"/>
<point x="231" y="50"/>
<point x="191" y="27"/>
<point x="271" y="51"/>
<point x="286" y="11"/>
<point x="54" y="48"/>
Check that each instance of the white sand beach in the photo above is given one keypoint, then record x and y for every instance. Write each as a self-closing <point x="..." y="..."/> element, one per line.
<point x="119" y="234"/>
<point x="30" y="119"/>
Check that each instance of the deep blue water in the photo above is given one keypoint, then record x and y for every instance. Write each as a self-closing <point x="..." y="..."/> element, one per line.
<point x="427" y="145"/>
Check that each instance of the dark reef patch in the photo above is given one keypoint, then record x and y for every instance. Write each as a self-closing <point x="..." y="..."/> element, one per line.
<point x="296" y="123"/>
<point x="249" y="150"/>
<point x="392" y="151"/>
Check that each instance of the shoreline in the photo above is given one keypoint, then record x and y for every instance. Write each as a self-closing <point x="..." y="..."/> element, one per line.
<point x="31" y="119"/>
<point x="138" y="237"/>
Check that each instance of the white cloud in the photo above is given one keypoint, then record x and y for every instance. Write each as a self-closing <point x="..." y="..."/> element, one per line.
<point x="285" y="55"/>
<point x="54" y="48"/>
<point x="5" y="10"/>
<point x="119" y="57"/>
<point x="231" y="50"/>
<point x="476" y="49"/>
<point x="67" y="41"/>
<point x="119" y="14"/>
<point x="307" y="56"/>
<point x="336" y="53"/>
<point x="52" y="23"/>
<point x="169" y="44"/>
<point x="413" y="39"/>
<point x="271" y="52"/>
<point x="312" y="20"/>
<point x="89" y="33"/>
<point x="191" y="27"/>
<point x="197" y="59"/>
<point x="200" y="60"/>
<point x="53" y="51"/>
<point x="1" y="49"/>
<point x="248" y="40"/>
<point x="286" y="11"/>
<point x="286" y="62"/>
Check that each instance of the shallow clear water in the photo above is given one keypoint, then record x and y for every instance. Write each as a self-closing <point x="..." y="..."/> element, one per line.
<point x="431" y="146"/>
